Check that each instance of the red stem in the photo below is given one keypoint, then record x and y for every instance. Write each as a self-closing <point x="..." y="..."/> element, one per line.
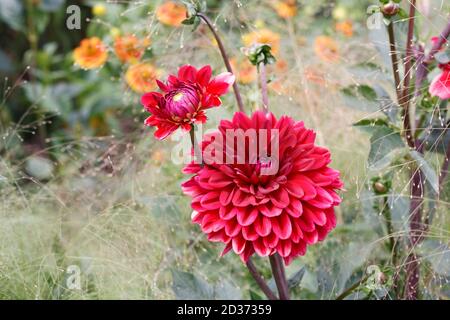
<point x="279" y="275"/>
<point x="406" y="97"/>
<point x="237" y="93"/>
<point x="260" y="281"/>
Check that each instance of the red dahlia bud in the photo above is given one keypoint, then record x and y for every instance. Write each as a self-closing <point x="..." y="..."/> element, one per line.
<point x="391" y="9"/>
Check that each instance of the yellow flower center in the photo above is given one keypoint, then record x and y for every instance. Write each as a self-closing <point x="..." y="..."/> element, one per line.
<point x="178" y="97"/>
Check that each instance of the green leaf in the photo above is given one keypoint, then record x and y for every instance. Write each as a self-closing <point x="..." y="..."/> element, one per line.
<point x="296" y="278"/>
<point x="438" y="254"/>
<point x="361" y="97"/>
<point x="369" y="125"/>
<point x="255" y="296"/>
<point x="225" y="290"/>
<point x="11" y="12"/>
<point x="188" y="286"/>
<point x="385" y="145"/>
<point x="427" y="170"/>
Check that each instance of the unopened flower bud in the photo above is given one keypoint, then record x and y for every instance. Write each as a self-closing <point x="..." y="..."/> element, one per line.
<point x="391" y="9"/>
<point x="379" y="187"/>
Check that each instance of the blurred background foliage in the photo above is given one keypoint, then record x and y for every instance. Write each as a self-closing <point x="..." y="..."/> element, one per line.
<point x="82" y="182"/>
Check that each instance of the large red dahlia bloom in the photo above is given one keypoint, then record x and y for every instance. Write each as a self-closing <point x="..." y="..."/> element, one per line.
<point x="250" y="212"/>
<point x="184" y="99"/>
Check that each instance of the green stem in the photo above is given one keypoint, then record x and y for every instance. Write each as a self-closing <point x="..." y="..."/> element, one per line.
<point x="264" y="91"/>
<point x="349" y="290"/>
<point x="394" y="60"/>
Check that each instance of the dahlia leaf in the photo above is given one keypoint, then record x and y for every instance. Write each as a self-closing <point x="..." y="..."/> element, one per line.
<point x="188" y="286"/>
<point x="361" y="97"/>
<point x="438" y="254"/>
<point x="427" y="170"/>
<point x="296" y="278"/>
<point x="385" y="145"/>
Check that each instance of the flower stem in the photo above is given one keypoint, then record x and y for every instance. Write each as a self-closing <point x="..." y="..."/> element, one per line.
<point x="260" y="281"/>
<point x="352" y="288"/>
<point x="406" y="96"/>
<point x="225" y="58"/>
<point x="279" y="275"/>
<point x="197" y="153"/>
<point x="263" y="79"/>
<point x="394" y="60"/>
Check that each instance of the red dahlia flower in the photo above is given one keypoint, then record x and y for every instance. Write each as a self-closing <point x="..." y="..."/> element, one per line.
<point x="250" y="212"/>
<point x="184" y="99"/>
<point x="440" y="86"/>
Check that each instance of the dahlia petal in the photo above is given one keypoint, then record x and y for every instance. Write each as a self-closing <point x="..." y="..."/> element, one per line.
<point x="440" y="86"/>
<point x="204" y="75"/>
<point x="164" y="131"/>
<point x="271" y="240"/>
<point x="249" y="233"/>
<point x="226" y="195"/>
<point x="219" y="236"/>
<point x="240" y="199"/>
<point x="150" y="99"/>
<point x="295" y="208"/>
<point x="238" y="244"/>
<point x="284" y="248"/>
<point x="246" y="217"/>
<point x="307" y="186"/>
<point x="247" y="252"/>
<point x="311" y="237"/>
<point x="220" y="84"/>
<point x="162" y="86"/>
<point x="210" y="200"/>
<point x="228" y="212"/>
<point x="305" y="223"/>
<point x="297" y="233"/>
<point x="218" y="180"/>
<point x="260" y="248"/>
<point x="282" y="226"/>
<point x="227" y="248"/>
<point x="270" y="210"/>
<point x="323" y="199"/>
<point x="280" y="198"/>
<point x="187" y="73"/>
<point x="172" y="81"/>
<point x="232" y="228"/>
<point x="263" y="226"/>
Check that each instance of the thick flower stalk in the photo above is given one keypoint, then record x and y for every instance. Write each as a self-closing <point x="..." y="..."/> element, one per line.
<point x="251" y="211"/>
<point x="184" y="99"/>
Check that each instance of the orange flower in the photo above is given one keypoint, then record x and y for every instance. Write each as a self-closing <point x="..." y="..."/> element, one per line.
<point x="312" y="74"/>
<point x="326" y="49"/>
<point x="90" y="54"/>
<point x="130" y="48"/>
<point x="142" y="77"/>
<point x="345" y="27"/>
<point x="171" y="13"/>
<point x="245" y="72"/>
<point x="285" y="8"/>
<point x="263" y="36"/>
